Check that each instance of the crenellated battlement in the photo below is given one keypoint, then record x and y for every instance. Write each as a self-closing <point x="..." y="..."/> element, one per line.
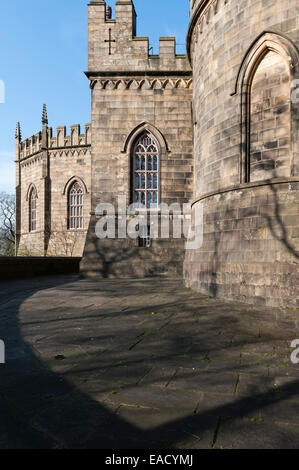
<point x="34" y="144"/>
<point x="74" y="139"/>
<point x="31" y="145"/>
<point x="114" y="46"/>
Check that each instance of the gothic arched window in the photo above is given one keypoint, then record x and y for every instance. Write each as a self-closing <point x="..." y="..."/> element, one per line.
<point x="146" y="167"/>
<point x="76" y="206"/>
<point x="270" y="119"/>
<point x="32" y="209"/>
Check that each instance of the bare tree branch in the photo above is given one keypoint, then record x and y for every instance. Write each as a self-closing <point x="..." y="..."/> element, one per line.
<point x="7" y="223"/>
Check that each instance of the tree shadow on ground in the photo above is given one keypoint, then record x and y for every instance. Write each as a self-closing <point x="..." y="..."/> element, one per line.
<point x="45" y="408"/>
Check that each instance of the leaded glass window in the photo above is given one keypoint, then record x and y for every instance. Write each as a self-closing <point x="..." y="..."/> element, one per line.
<point x="146" y="172"/>
<point x="32" y="209"/>
<point x="76" y="207"/>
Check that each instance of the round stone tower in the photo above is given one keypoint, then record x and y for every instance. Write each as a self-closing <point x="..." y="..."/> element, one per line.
<point x="245" y="60"/>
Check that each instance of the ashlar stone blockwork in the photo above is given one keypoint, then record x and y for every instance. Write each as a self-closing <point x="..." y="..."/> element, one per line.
<point x="270" y="117"/>
<point x="224" y="120"/>
<point x="134" y="92"/>
<point x="50" y="165"/>
<point x="245" y="62"/>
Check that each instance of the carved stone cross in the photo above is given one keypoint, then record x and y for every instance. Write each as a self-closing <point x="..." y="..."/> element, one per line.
<point x="110" y="40"/>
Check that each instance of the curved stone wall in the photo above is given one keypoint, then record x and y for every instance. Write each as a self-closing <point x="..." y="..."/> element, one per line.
<point x="246" y="149"/>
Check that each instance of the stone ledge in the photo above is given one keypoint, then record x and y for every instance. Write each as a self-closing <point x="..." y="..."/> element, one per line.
<point x="243" y="186"/>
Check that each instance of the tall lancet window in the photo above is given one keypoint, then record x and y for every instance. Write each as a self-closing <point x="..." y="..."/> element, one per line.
<point x="32" y="209"/>
<point x="76" y="207"/>
<point x="270" y="119"/>
<point x="146" y="172"/>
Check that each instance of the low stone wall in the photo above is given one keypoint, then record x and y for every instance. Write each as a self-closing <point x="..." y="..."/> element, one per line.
<point x="123" y="258"/>
<point x="25" y="267"/>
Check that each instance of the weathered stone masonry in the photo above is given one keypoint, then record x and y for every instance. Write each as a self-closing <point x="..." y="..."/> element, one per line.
<point x="49" y="165"/>
<point x="134" y="92"/>
<point x="245" y="56"/>
<point x="226" y="124"/>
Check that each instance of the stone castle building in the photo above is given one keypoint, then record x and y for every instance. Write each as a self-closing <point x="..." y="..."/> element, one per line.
<point x="217" y="127"/>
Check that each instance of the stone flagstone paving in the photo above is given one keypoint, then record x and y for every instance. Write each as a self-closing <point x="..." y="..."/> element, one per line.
<point x="143" y="364"/>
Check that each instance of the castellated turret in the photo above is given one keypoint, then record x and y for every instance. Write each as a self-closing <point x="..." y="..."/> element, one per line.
<point x="136" y="97"/>
<point x="114" y="47"/>
<point x="47" y="168"/>
<point x="245" y="62"/>
<point x="139" y="101"/>
<point x="221" y="123"/>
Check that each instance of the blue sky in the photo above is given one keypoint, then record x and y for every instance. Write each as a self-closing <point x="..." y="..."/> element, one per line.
<point x="43" y="54"/>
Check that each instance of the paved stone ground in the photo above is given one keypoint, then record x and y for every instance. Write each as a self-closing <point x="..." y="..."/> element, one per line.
<point x="143" y="364"/>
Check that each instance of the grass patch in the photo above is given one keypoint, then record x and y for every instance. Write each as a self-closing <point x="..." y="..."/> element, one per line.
<point x="257" y="420"/>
